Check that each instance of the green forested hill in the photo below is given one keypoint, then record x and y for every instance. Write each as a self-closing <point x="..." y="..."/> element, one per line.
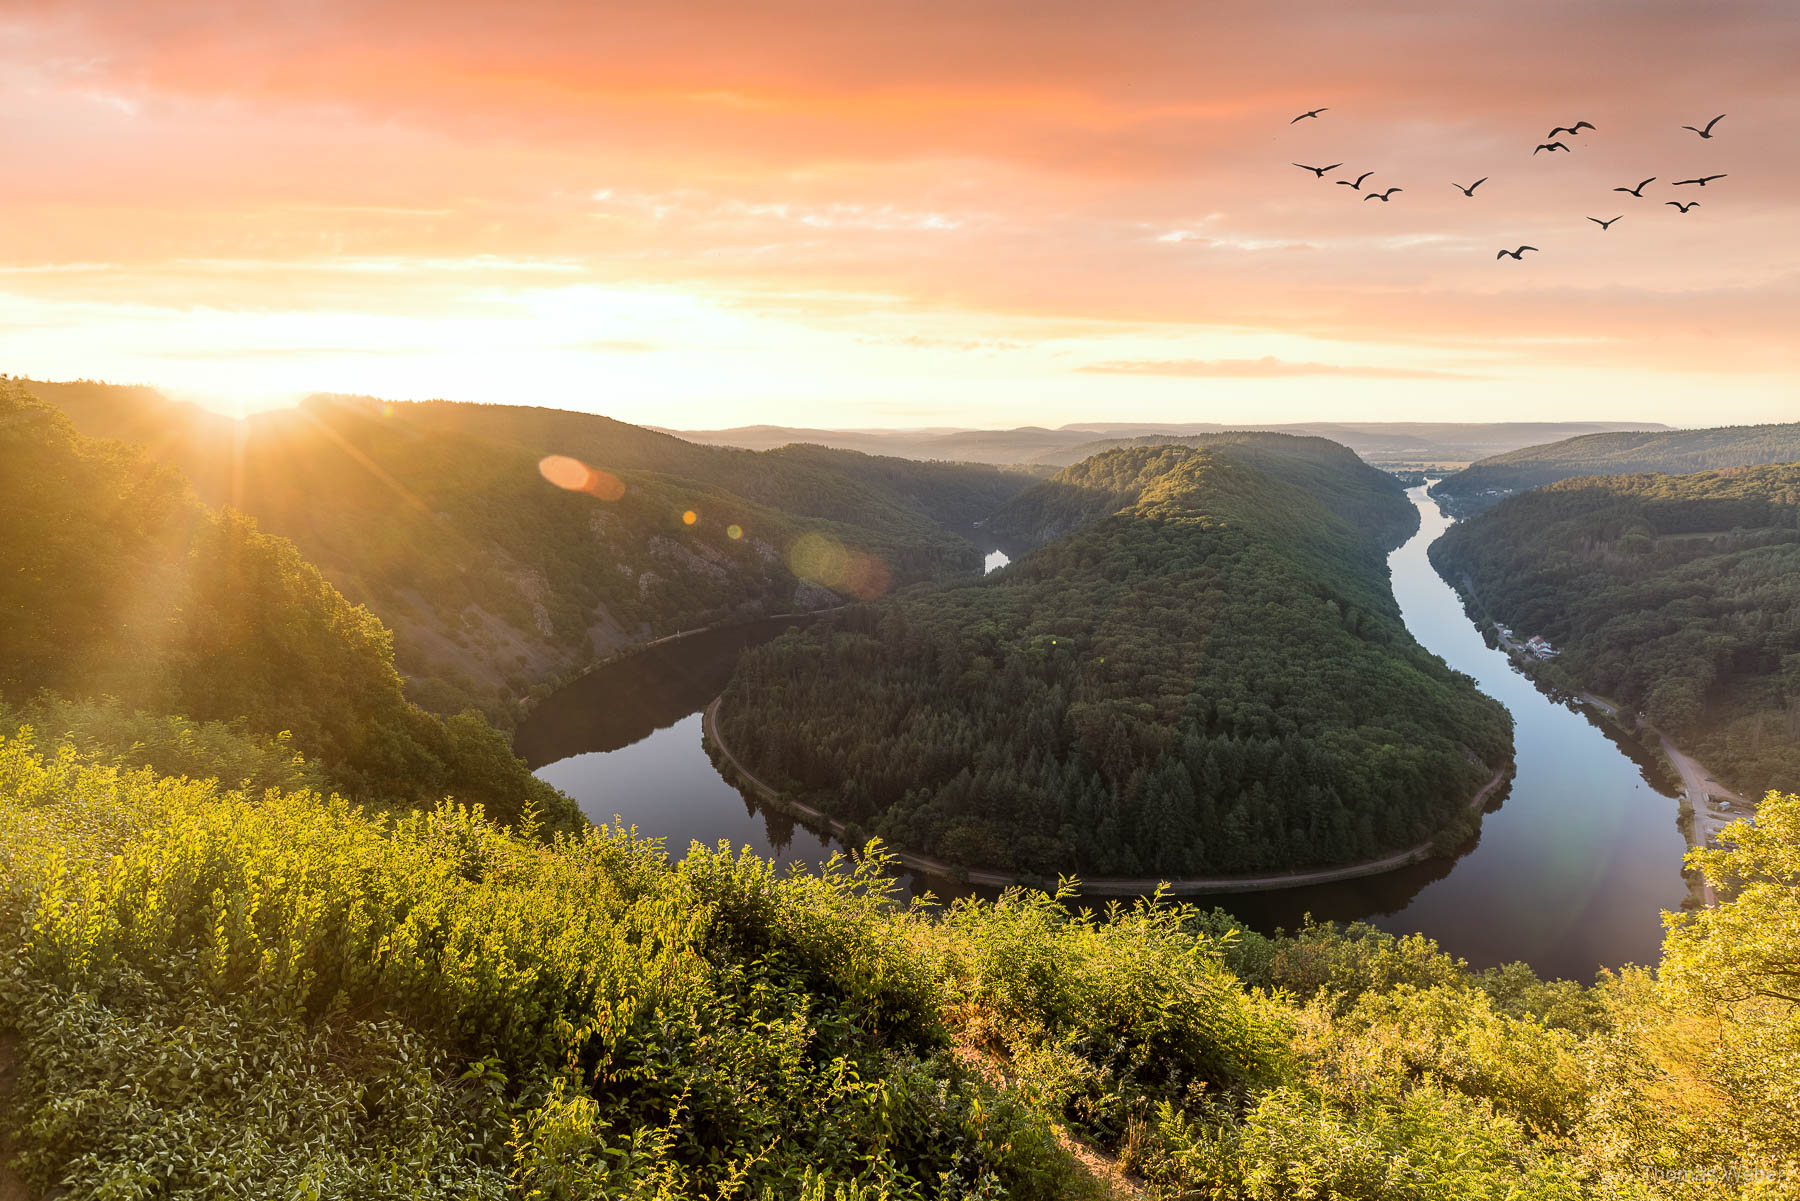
<point x="1670" y="451"/>
<point x="437" y="517"/>
<point x="208" y="993"/>
<point x="1113" y="480"/>
<point x="116" y="583"/>
<point x="1678" y="595"/>
<point x="1210" y="674"/>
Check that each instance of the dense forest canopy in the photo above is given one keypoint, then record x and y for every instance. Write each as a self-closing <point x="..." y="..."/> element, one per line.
<point x="1677" y="595"/>
<point x="119" y="584"/>
<point x="209" y="992"/>
<point x="496" y="583"/>
<point x="1368" y="499"/>
<point x="1208" y="675"/>
<point x="1666" y="451"/>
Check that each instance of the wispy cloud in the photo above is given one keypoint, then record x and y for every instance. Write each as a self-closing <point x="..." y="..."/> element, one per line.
<point x="1267" y="367"/>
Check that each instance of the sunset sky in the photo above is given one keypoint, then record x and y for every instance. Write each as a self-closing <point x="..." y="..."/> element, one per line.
<point x="868" y="213"/>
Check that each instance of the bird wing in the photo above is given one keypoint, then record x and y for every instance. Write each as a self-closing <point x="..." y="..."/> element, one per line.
<point x="1304" y="167"/>
<point x="1681" y="182"/>
<point x="1597" y="221"/>
<point x="1558" y="146"/>
<point x="1502" y="254"/>
<point x="1714" y="122"/>
<point x="1709" y="178"/>
<point x="1582" y="125"/>
<point x="1557" y="130"/>
<point x="1333" y="167"/>
<point x="1478" y="183"/>
<point x="1372" y="196"/>
<point x="1523" y="249"/>
<point x="1362" y="177"/>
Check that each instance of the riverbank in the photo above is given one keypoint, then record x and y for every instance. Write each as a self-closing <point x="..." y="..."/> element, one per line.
<point x="1701" y="823"/>
<point x="1114" y="886"/>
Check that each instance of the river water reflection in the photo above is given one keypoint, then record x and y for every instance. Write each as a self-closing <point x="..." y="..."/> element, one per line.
<point x="1569" y="874"/>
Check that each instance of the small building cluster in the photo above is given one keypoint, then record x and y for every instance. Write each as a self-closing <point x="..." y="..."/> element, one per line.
<point x="1539" y="646"/>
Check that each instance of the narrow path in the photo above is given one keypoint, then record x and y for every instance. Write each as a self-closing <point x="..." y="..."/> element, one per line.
<point x="1132" y="886"/>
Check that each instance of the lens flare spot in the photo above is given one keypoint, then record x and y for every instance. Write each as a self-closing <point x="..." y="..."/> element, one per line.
<point x="575" y="476"/>
<point x="689" y="517"/>
<point x="734" y="532"/>
<point x="826" y="561"/>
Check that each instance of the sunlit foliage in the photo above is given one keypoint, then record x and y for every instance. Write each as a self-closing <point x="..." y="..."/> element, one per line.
<point x="118" y="583"/>
<point x="209" y="992"/>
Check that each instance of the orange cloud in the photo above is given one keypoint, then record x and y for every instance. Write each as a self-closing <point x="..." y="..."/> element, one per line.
<point x="888" y="181"/>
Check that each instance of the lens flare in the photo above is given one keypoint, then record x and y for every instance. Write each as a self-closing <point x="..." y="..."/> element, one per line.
<point x="575" y="476"/>
<point x="734" y="532"/>
<point x="689" y="517"/>
<point x="826" y="561"/>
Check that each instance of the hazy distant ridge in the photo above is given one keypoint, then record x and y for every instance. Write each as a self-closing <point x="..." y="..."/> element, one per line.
<point x="1672" y="452"/>
<point x="1378" y="441"/>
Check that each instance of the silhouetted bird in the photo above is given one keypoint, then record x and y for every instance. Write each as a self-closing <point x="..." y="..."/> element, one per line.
<point x="1707" y="132"/>
<point x="1692" y="204"/>
<point x="1550" y="146"/>
<point x="1639" y="190"/>
<point x="1315" y="112"/>
<point x="1517" y="254"/>
<point x="1358" y="184"/>
<point x="1572" y="130"/>
<point x="1702" y="181"/>
<point x="1319" y="171"/>
<point x="1382" y="196"/>
<point x="1603" y="224"/>
<point x="1470" y="190"/>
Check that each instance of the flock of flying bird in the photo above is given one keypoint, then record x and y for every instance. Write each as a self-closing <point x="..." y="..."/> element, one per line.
<point x="1552" y="145"/>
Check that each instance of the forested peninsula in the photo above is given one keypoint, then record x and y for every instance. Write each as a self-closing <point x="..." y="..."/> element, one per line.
<point x="1675" y="595"/>
<point x="1200" y="670"/>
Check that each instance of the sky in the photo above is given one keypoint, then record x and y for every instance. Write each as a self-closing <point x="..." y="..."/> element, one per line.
<point x="930" y="213"/>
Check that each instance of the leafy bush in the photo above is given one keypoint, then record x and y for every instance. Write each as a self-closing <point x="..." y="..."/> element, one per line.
<point x="216" y="993"/>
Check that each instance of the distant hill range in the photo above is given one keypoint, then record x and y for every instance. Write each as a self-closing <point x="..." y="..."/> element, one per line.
<point x="497" y="584"/>
<point x="1670" y="452"/>
<point x="1431" y="443"/>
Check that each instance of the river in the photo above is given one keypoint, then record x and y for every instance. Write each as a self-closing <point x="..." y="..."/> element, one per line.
<point x="1570" y="873"/>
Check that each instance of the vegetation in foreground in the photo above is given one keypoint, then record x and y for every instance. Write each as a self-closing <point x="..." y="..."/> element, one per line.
<point x="208" y="992"/>
<point x="1676" y="595"/>
<point x="1202" y="670"/>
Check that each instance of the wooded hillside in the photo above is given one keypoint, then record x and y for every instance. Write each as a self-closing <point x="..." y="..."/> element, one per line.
<point x="1209" y="674"/>
<point x="1676" y="595"/>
